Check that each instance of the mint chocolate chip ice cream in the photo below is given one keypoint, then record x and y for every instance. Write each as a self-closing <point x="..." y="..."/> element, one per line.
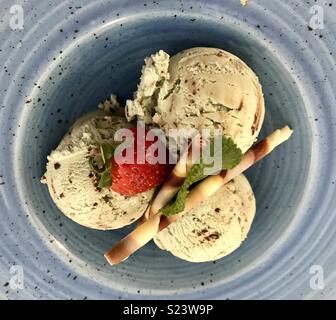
<point x="72" y="183"/>
<point x="200" y="88"/>
<point x="214" y="228"/>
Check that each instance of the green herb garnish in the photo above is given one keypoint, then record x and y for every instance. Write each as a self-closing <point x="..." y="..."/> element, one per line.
<point x="230" y="157"/>
<point x="100" y="164"/>
<point x="107" y="151"/>
<point x="195" y="174"/>
<point x="105" y="179"/>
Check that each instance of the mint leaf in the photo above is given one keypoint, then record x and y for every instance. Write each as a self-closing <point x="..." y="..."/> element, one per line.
<point x="107" y="151"/>
<point x="196" y="174"/>
<point x="231" y="156"/>
<point x="100" y="164"/>
<point x="221" y="153"/>
<point x="105" y="179"/>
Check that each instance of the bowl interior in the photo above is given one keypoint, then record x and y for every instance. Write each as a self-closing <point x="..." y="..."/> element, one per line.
<point x="109" y="60"/>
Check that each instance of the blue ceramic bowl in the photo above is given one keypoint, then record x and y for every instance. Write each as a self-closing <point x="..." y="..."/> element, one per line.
<point x="72" y="55"/>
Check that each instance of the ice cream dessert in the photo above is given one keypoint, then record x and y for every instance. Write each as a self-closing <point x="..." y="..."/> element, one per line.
<point x="214" y="228"/>
<point x="200" y="88"/>
<point x="197" y="217"/>
<point x="196" y="214"/>
<point x="208" y="221"/>
<point x="73" y="183"/>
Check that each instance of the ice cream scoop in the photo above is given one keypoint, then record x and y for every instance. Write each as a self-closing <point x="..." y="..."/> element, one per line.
<point x="72" y="183"/>
<point x="200" y="88"/>
<point x="214" y="228"/>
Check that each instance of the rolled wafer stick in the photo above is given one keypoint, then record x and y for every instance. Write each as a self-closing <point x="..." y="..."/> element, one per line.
<point x="176" y="178"/>
<point x="142" y="234"/>
<point x="145" y="232"/>
<point x="211" y="184"/>
<point x="149" y="225"/>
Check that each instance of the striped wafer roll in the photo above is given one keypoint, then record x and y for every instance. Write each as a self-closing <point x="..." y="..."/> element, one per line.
<point x="211" y="184"/>
<point x="145" y="232"/>
<point x="177" y="177"/>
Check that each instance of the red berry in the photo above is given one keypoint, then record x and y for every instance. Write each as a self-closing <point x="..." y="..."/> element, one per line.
<point x="132" y="178"/>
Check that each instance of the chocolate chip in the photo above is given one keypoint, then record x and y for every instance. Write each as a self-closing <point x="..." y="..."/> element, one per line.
<point x="57" y="165"/>
<point x="106" y="198"/>
<point x="217" y="210"/>
<point x="62" y="195"/>
<point x="213" y="236"/>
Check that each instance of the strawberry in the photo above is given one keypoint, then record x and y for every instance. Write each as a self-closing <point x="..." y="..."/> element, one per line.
<point x="132" y="178"/>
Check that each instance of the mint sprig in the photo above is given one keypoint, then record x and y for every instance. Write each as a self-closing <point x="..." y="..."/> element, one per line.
<point x="107" y="151"/>
<point x="231" y="156"/>
<point x="105" y="179"/>
<point x="195" y="174"/>
<point x="101" y="164"/>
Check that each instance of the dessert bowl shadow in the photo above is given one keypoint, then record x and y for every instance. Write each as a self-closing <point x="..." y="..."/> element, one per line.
<point x="108" y="60"/>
